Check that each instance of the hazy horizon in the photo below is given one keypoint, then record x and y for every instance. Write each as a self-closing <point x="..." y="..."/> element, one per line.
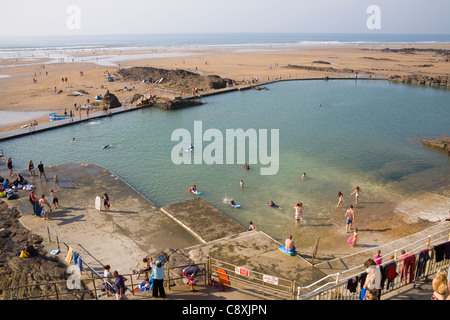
<point x="101" y="17"/>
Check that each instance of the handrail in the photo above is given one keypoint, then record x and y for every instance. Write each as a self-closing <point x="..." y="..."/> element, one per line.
<point x="340" y="281"/>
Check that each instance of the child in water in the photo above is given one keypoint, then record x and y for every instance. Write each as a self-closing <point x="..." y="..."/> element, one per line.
<point x="357" y="192"/>
<point x="341" y="199"/>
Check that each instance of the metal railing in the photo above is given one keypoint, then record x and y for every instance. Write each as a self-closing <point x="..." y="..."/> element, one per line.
<point x="337" y="289"/>
<point x="251" y="282"/>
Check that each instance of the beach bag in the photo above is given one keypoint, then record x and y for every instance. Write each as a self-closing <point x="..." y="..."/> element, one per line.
<point x="11" y="196"/>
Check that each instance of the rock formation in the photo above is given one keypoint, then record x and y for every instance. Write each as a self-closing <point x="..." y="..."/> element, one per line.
<point x="441" y="143"/>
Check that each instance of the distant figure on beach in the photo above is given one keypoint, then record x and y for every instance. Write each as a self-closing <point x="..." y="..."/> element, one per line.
<point x="106" y="202"/>
<point x="31" y="168"/>
<point x="304" y="176"/>
<point x="246" y="167"/>
<point x="251" y="226"/>
<point x="341" y="199"/>
<point x="298" y="213"/>
<point x="350" y="219"/>
<point x="289" y="243"/>
<point x="241" y="183"/>
<point x="9" y="166"/>
<point x="356" y="192"/>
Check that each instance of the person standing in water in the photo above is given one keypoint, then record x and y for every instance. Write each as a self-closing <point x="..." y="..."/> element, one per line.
<point x="357" y="192"/>
<point x="350" y="218"/>
<point x="298" y="213"/>
<point x="341" y="199"/>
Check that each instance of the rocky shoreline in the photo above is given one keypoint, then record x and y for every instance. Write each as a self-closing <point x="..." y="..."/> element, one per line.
<point x="39" y="268"/>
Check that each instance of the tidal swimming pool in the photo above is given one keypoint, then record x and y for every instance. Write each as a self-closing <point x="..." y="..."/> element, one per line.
<point x="340" y="133"/>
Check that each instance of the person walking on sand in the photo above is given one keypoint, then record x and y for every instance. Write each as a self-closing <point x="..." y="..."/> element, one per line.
<point x="41" y="171"/>
<point x="356" y="192"/>
<point x="350" y="218"/>
<point x="298" y="213"/>
<point x="341" y="199"/>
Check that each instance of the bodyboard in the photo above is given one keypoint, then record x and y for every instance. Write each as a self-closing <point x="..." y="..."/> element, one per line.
<point x="98" y="203"/>
<point x="223" y="277"/>
<point x="292" y="252"/>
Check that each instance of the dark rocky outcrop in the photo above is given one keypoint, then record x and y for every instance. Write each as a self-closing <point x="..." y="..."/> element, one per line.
<point x="323" y="69"/>
<point x="173" y="104"/>
<point x="416" y="79"/>
<point x="40" y="268"/>
<point x="180" y="79"/>
<point x="110" y="101"/>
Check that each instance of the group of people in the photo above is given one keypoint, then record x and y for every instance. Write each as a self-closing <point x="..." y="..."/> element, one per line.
<point x="115" y="282"/>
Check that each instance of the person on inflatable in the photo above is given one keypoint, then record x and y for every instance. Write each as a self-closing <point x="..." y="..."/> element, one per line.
<point x="289" y="244"/>
<point x="193" y="188"/>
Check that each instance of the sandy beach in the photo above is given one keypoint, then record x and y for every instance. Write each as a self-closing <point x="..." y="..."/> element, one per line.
<point x="18" y="91"/>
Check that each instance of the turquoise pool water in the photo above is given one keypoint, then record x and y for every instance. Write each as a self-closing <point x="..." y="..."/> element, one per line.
<point x="340" y="133"/>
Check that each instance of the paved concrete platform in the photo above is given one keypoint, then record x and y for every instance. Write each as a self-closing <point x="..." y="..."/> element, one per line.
<point x="206" y="222"/>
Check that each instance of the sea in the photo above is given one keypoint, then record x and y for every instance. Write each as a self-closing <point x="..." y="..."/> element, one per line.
<point x="59" y="48"/>
<point x="341" y="133"/>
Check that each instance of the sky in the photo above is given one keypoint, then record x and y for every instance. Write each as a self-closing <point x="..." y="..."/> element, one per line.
<point x="93" y="17"/>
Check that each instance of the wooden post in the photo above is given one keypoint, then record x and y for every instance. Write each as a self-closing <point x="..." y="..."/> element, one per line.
<point x="428" y="242"/>
<point x="208" y="268"/>
<point x="168" y="279"/>
<point x="57" y="241"/>
<point x="48" y="232"/>
<point x="56" y="291"/>
<point x="95" y="288"/>
<point x="132" y="289"/>
<point x="316" y="246"/>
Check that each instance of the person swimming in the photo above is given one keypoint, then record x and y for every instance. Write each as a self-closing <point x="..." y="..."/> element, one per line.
<point x="272" y="204"/>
